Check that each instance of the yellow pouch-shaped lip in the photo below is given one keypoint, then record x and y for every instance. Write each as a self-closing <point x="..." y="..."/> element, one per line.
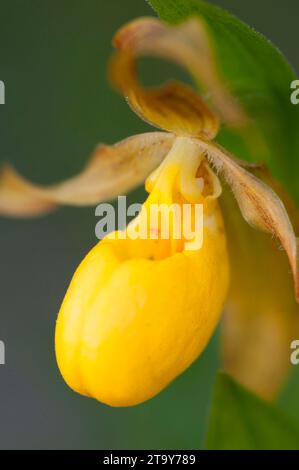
<point x="139" y="311"/>
<point x="128" y="327"/>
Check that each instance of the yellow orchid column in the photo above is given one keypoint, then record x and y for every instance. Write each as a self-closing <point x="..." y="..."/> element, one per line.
<point x="141" y="308"/>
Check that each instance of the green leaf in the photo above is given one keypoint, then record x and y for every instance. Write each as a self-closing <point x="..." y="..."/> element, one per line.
<point x="240" y="420"/>
<point x="260" y="77"/>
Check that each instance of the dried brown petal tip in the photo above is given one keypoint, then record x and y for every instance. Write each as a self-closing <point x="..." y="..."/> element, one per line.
<point x="111" y="170"/>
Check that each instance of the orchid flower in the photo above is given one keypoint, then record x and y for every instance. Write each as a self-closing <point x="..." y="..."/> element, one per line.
<point x="139" y="311"/>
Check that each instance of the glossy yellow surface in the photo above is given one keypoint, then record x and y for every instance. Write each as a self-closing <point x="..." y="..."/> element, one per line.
<point x="139" y="312"/>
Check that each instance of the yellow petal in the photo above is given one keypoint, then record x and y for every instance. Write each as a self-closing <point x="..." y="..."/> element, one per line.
<point x="262" y="317"/>
<point x="139" y="311"/>
<point x="188" y="45"/>
<point x="110" y="171"/>
<point x="259" y="204"/>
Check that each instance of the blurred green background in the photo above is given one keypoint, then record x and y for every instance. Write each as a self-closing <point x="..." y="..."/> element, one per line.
<point x="53" y="57"/>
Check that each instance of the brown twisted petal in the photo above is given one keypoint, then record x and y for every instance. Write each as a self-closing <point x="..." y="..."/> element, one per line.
<point x="189" y="45"/>
<point x="173" y="106"/>
<point x="262" y="317"/>
<point x="111" y="170"/>
<point x="259" y="204"/>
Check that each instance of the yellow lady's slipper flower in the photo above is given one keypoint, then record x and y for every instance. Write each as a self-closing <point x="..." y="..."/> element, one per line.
<point x="138" y="312"/>
<point x="141" y="307"/>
